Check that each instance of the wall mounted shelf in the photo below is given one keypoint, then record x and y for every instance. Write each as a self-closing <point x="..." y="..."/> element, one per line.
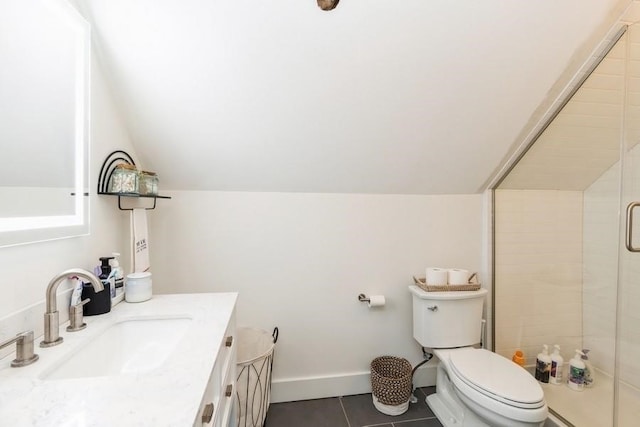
<point x="106" y="171"/>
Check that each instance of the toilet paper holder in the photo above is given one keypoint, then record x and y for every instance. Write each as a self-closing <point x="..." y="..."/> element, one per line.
<point x="372" y="301"/>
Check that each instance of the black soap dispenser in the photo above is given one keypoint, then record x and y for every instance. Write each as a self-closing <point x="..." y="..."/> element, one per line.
<point x="105" y="267"/>
<point x="99" y="302"/>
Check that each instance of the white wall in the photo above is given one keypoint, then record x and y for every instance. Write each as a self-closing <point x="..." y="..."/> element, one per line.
<point x="27" y="269"/>
<point x="300" y="260"/>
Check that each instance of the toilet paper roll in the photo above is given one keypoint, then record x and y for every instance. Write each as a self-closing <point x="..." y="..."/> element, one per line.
<point x="376" y="301"/>
<point x="436" y="276"/>
<point x="458" y="276"/>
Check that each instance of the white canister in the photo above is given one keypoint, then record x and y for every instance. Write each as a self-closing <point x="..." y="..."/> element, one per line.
<point x="138" y="287"/>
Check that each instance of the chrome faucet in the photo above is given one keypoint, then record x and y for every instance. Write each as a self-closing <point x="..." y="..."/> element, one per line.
<point x="24" y="349"/>
<point x="51" y="316"/>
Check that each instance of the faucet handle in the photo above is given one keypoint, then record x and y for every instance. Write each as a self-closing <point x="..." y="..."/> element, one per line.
<point x="24" y="349"/>
<point x="76" y="319"/>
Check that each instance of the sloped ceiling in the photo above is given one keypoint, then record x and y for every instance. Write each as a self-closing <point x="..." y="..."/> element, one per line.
<point x="583" y="140"/>
<point x="411" y="96"/>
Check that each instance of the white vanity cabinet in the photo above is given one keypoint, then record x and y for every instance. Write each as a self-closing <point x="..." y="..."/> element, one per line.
<point x="217" y="408"/>
<point x="180" y="371"/>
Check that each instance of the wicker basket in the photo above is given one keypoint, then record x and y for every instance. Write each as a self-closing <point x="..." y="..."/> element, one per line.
<point x="391" y="380"/>
<point x="421" y="282"/>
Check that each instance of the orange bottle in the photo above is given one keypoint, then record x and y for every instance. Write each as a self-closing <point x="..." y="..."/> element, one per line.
<point x="518" y="358"/>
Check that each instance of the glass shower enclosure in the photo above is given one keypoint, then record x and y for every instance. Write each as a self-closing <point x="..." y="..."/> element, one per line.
<point x="567" y="242"/>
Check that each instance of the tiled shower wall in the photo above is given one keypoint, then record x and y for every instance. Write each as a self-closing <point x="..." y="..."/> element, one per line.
<point x="557" y="273"/>
<point x="558" y="252"/>
<point x="600" y="267"/>
<point x="538" y="271"/>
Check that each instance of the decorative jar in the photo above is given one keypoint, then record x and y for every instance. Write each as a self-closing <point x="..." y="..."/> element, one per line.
<point x="148" y="183"/>
<point x="124" y="179"/>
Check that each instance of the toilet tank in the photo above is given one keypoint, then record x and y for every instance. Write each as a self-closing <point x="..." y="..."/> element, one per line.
<point x="447" y="319"/>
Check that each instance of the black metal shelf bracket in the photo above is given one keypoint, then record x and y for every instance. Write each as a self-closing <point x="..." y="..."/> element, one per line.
<point x="114" y="159"/>
<point x="130" y="209"/>
<point x="117" y="157"/>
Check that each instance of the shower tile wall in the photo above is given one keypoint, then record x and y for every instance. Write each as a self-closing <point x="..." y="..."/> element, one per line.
<point x="538" y="272"/>
<point x="600" y="274"/>
<point x="600" y="270"/>
<point x="557" y="272"/>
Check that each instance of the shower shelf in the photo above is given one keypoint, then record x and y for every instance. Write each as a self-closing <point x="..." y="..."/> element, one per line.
<point x="108" y="166"/>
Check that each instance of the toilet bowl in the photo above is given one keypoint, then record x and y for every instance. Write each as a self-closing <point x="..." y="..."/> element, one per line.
<point x="474" y="387"/>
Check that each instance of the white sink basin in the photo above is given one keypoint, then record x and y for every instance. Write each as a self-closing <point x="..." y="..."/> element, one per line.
<point x="135" y="346"/>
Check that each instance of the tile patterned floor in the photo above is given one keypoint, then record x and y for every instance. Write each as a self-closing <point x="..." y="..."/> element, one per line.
<point x="349" y="411"/>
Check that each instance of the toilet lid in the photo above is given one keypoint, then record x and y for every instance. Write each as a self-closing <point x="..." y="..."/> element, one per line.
<point x="497" y="377"/>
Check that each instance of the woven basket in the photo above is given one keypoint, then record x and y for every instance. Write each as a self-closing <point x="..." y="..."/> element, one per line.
<point x="421" y="282"/>
<point x="391" y="379"/>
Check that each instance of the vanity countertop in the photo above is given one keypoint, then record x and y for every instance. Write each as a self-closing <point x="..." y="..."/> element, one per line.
<point x="169" y="396"/>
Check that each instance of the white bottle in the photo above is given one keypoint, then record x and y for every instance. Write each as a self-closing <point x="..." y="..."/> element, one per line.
<point x="543" y="365"/>
<point x="119" y="273"/>
<point x="557" y="362"/>
<point x="576" y="372"/>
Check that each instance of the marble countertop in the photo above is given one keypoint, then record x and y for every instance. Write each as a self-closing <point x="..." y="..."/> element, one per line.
<point x="168" y="396"/>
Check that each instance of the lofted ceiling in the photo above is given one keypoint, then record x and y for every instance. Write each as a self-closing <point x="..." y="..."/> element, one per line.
<point x="583" y="140"/>
<point x="410" y="97"/>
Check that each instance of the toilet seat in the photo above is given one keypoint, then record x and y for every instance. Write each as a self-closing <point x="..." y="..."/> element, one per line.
<point x="486" y="381"/>
<point x="494" y="377"/>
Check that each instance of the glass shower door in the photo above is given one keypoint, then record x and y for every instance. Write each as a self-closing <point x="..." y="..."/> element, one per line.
<point x="627" y="361"/>
<point x="557" y="243"/>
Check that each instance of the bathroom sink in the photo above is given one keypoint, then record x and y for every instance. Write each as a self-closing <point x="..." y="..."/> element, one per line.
<point x="129" y="347"/>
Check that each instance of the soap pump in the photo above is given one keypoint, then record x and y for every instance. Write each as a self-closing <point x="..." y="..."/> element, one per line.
<point x="105" y="267"/>
<point x="543" y="365"/>
<point x="576" y="372"/>
<point x="557" y="363"/>
<point x="118" y="274"/>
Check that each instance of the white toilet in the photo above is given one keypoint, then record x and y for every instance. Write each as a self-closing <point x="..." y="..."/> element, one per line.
<point x="474" y="387"/>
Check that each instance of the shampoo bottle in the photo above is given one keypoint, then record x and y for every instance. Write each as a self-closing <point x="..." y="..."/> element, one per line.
<point x="557" y="363"/>
<point x="588" y="369"/>
<point x="576" y="372"/>
<point x="543" y="365"/>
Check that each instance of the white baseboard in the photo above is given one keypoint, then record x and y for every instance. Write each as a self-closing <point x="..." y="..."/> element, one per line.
<point x="293" y="389"/>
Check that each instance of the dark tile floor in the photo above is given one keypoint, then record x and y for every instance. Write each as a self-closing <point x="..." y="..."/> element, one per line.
<point x="349" y="411"/>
